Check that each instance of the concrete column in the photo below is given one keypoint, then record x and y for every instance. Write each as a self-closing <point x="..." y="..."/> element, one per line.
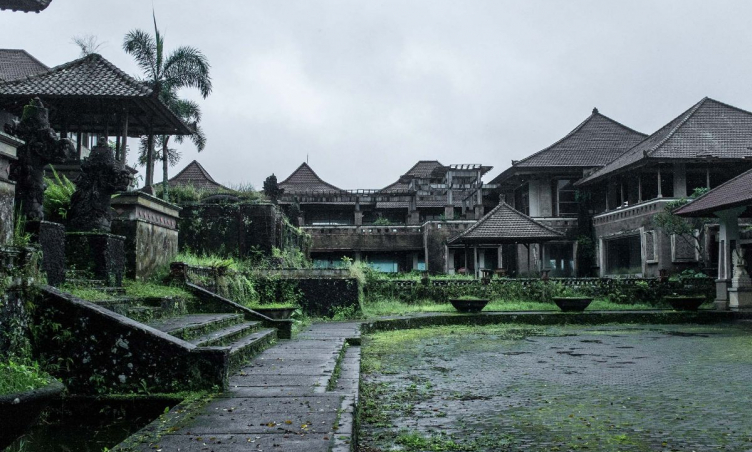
<point x="358" y="218"/>
<point x="475" y="261"/>
<point x="500" y="256"/>
<point x="481" y="260"/>
<point x="449" y="212"/>
<point x="545" y="192"/>
<point x="660" y="190"/>
<point x="639" y="188"/>
<point x="533" y="194"/>
<point x="728" y="239"/>
<point x="449" y="265"/>
<point x="358" y="256"/>
<point x="680" y="180"/>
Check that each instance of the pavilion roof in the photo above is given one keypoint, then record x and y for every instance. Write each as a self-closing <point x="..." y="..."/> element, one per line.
<point x="85" y="90"/>
<point x="18" y="63"/>
<point x="304" y="179"/>
<point x="736" y="192"/>
<point x="194" y="174"/>
<point x="593" y="143"/>
<point x="25" y="5"/>
<point x="708" y="130"/>
<point x="504" y="224"/>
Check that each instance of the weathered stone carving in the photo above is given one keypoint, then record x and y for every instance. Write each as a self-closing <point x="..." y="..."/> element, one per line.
<point x="101" y="177"/>
<point x="42" y="147"/>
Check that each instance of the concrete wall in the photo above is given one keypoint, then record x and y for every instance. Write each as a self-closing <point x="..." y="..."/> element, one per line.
<point x="149" y="226"/>
<point x="435" y="235"/>
<point x="366" y="238"/>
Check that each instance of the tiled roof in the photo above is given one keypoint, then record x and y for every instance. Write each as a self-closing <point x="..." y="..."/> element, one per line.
<point x="304" y="179"/>
<point x="25" y="5"/>
<point x="392" y="204"/>
<point x="733" y="193"/>
<point x="194" y="174"/>
<point x="15" y="64"/>
<point x="595" y="142"/>
<point x="90" y="76"/>
<point x="503" y="224"/>
<point x="710" y="129"/>
<point x="421" y="170"/>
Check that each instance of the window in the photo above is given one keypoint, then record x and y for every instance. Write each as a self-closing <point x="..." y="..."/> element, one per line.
<point x="623" y="255"/>
<point x="566" y="198"/>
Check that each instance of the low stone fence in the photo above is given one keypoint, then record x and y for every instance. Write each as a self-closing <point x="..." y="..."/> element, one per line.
<point x="626" y="290"/>
<point x="319" y="292"/>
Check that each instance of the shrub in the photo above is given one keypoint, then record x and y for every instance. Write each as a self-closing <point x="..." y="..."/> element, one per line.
<point x="57" y="196"/>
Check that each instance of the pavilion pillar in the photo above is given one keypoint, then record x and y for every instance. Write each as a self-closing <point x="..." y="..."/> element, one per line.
<point x="124" y="140"/>
<point x="78" y="144"/>
<point x="500" y="256"/>
<point x="149" y="179"/>
<point x="475" y="261"/>
<point x="660" y="189"/>
<point x="467" y="267"/>
<point x="639" y="188"/>
<point x="727" y="242"/>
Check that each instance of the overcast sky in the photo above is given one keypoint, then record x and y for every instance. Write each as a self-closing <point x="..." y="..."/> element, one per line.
<point x="363" y="89"/>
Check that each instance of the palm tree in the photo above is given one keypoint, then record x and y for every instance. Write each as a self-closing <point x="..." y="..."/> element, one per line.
<point x="185" y="67"/>
<point x="190" y="113"/>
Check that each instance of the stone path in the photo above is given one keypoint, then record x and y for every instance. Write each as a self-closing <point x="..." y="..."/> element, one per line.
<point x="298" y="395"/>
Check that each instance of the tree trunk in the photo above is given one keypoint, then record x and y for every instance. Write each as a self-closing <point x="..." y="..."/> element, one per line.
<point x="165" y="184"/>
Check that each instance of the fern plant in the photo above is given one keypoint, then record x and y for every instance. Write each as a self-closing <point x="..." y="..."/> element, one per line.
<point x="57" y="196"/>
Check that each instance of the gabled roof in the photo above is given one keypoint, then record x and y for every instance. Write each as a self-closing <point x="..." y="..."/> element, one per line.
<point x="304" y="179"/>
<point x="504" y="224"/>
<point x="421" y="170"/>
<point x="88" y="87"/>
<point x="17" y="63"/>
<point x="709" y="129"/>
<point x="593" y="143"/>
<point x="194" y="174"/>
<point x="25" y="5"/>
<point x="736" y="192"/>
<point x="89" y="76"/>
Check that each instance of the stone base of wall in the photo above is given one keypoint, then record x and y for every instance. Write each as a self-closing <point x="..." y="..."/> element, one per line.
<point x="51" y="238"/>
<point x="100" y="255"/>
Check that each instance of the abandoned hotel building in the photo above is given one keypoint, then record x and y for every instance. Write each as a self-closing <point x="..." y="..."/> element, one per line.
<point x="584" y="206"/>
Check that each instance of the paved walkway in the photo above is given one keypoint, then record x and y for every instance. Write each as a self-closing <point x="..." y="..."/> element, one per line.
<point x="292" y="397"/>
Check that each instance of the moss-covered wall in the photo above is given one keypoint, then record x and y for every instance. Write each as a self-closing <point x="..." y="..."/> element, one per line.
<point x="7" y="194"/>
<point x="327" y="296"/>
<point x="101" y="256"/>
<point x="147" y="246"/>
<point x="238" y="230"/>
<point x="94" y="350"/>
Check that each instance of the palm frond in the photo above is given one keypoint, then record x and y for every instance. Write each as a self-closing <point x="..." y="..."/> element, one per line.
<point x="143" y="48"/>
<point x="188" y="67"/>
<point x="160" y="46"/>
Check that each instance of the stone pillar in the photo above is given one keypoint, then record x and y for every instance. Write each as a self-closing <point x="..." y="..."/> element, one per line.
<point x="728" y="239"/>
<point x="449" y="267"/>
<point x="680" y="180"/>
<point x="740" y="293"/>
<point x="358" y="256"/>
<point x="534" y="197"/>
<point x="449" y="212"/>
<point x="358" y="218"/>
<point x="8" y="145"/>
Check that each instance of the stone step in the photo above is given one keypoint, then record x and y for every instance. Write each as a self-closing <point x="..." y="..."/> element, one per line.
<point x="226" y="336"/>
<point x="143" y="314"/>
<point x="114" y="291"/>
<point x="247" y="347"/>
<point x="191" y="326"/>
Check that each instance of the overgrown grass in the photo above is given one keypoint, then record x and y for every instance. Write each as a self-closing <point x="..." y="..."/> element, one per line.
<point x="135" y="289"/>
<point x="387" y="307"/>
<point x="16" y="377"/>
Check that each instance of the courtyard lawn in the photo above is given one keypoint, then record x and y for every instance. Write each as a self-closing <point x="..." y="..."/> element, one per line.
<point x="564" y="388"/>
<point x="391" y="307"/>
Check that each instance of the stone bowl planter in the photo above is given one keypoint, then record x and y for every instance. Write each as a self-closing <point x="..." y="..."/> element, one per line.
<point x="276" y="313"/>
<point x="573" y="304"/>
<point x="20" y="411"/>
<point x="686" y="302"/>
<point x="469" y="305"/>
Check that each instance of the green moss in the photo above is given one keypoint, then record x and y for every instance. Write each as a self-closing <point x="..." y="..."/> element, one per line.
<point x="16" y="377"/>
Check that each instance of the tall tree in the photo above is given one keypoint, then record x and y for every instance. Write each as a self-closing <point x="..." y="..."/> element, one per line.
<point x="185" y="67"/>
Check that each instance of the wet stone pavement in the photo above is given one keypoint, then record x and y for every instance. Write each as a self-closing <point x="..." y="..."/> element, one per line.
<point x="292" y="397"/>
<point x="605" y="388"/>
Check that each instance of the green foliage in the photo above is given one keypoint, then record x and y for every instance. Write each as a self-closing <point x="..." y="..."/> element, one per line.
<point x="21" y="238"/>
<point x="382" y="221"/>
<point x="690" y="229"/>
<point x="17" y="377"/>
<point x="271" y="188"/>
<point x="190" y="194"/>
<point x="57" y="195"/>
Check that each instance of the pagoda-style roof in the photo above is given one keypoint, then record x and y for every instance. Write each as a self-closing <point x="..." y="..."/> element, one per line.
<point x="708" y="130"/>
<point x="26" y="6"/>
<point x="88" y="94"/>
<point x="17" y="63"/>
<point x="736" y="192"/>
<point x="594" y="143"/>
<point x="194" y="174"/>
<point x="421" y="170"/>
<point x="504" y="225"/>
<point x="304" y="179"/>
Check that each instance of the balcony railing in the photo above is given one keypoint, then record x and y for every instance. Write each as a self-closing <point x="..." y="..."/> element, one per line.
<point x="637" y="210"/>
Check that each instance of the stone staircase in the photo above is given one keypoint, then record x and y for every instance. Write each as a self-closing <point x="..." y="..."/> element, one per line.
<point x="244" y="338"/>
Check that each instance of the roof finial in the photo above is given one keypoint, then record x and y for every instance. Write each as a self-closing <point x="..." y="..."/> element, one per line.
<point x="595" y="110"/>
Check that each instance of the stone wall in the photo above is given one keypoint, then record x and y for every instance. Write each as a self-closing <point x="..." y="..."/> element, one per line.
<point x="99" y="351"/>
<point x="150" y="228"/>
<point x="365" y="238"/>
<point x="8" y="145"/>
<point x="326" y="296"/>
<point x="239" y="230"/>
